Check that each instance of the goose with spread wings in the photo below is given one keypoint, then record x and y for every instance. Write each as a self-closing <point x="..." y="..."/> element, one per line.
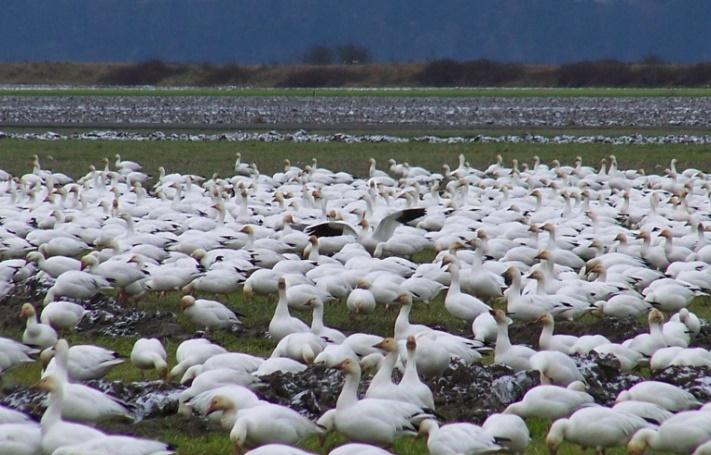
<point x="385" y="229"/>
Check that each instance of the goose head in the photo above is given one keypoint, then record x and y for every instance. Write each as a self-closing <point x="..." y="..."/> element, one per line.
<point x="362" y="284"/>
<point x="387" y="345"/>
<point x="27" y="311"/>
<point x="542" y="255"/>
<point x="427" y="427"/>
<point x="655" y="317"/>
<point x="499" y="317"/>
<point x="186" y="302"/>
<point x="545" y="320"/>
<point x="349" y="366"/>
<point x="510" y="275"/>
<point x="404" y="299"/>
<point x="411" y="343"/>
<point x="219" y="403"/>
<point x="50" y="383"/>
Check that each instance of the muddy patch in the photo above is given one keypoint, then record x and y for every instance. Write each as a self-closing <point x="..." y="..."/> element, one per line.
<point x="695" y="380"/>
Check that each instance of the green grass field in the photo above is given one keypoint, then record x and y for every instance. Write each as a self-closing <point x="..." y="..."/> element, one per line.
<point x="74" y="157"/>
<point x="205" y="158"/>
<point x="378" y="92"/>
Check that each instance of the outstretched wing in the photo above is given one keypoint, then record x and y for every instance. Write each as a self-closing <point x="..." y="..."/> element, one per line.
<point x="387" y="225"/>
<point x="331" y="229"/>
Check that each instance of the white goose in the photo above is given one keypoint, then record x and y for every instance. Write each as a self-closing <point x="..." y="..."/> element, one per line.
<point x="681" y="433"/>
<point x="62" y="315"/>
<point x="360" y="299"/>
<point x="85" y="361"/>
<point x="516" y="357"/>
<point x="36" y="334"/>
<point x="457" y="438"/>
<point x="555" y="367"/>
<point x="358" y="449"/>
<point x="596" y="427"/>
<point x="208" y="313"/>
<point x="385" y="229"/>
<point x="552" y="401"/>
<point x="372" y="420"/>
<point x="277" y="449"/>
<point x="21" y="438"/>
<point x="265" y="423"/>
<point x="148" y="354"/>
<point x="116" y="445"/>
<point x="460" y="305"/>
<point x="667" y="396"/>
<point x="282" y="323"/>
<point x="77" y="285"/>
<point x="57" y="433"/>
<point x="509" y="431"/>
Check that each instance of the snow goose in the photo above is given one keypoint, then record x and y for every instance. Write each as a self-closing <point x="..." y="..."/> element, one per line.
<point x="116" y="445"/>
<point x="282" y="323"/>
<point x="55" y="265"/>
<point x="193" y="352"/>
<point x="300" y="346"/>
<point x="530" y="307"/>
<point x="237" y="361"/>
<point x="382" y="386"/>
<point x="650" y="412"/>
<point x="484" y="328"/>
<point x="371" y="420"/>
<point x="36" y="334"/>
<point x="358" y="449"/>
<point x="77" y="285"/>
<point x="681" y="433"/>
<point x="549" y="342"/>
<point x="667" y="396"/>
<point x="265" y="423"/>
<point x="8" y="415"/>
<point x="149" y="353"/>
<point x="317" y="326"/>
<point x="360" y="299"/>
<point x="457" y="438"/>
<point x="516" y="357"/>
<point x="281" y="365"/>
<point x="460" y="305"/>
<point x="385" y="229"/>
<point x="21" y="438"/>
<point x="509" y="430"/>
<point x="555" y="367"/>
<point x="595" y="427"/>
<point x="411" y="380"/>
<point x="62" y="315"/>
<point x="628" y="358"/>
<point x="647" y="343"/>
<point x="56" y="432"/>
<point x="551" y="401"/>
<point x="85" y="361"/>
<point x="277" y="449"/>
<point x="208" y="313"/>
<point x="13" y="353"/>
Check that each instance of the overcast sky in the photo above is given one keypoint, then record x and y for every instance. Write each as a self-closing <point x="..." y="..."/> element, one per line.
<point x="279" y="31"/>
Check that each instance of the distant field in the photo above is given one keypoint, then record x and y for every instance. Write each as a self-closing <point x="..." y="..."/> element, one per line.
<point x="349" y="92"/>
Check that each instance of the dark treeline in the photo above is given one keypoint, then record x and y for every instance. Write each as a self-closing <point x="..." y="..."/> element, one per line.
<point x="333" y="72"/>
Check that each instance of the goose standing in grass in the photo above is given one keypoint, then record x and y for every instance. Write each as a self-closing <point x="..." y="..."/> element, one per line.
<point x="597" y="427"/>
<point x="372" y="420"/>
<point x="208" y="313"/>
<point x="116" y="445"/>
<point x="457" y="438"/>
<point x="148" y="354"/>
<point x="516" y="357"/>
<point x="56" y="432"/>
<point x="360" y="299"/>
<point x="681" y="433"/>
<point x="36" y="334"/>
<point x="62" y="315"/>
<point x="459" y="304"/>
<point x="277" y="449"/>
<point x="282" y="323"/>
<point x="358" y="449"/>
<point x="552" y="401"/>
<point x="84" y="362"/>
<point x="669" y="397"/>
<point x="317" y="326"/>
<point x="509" y="431"/>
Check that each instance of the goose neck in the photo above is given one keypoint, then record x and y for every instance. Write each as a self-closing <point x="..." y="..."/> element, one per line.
<point x="349" y="393"/>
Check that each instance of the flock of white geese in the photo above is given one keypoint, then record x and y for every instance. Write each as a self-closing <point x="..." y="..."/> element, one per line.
<point x="543" y="242"/>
